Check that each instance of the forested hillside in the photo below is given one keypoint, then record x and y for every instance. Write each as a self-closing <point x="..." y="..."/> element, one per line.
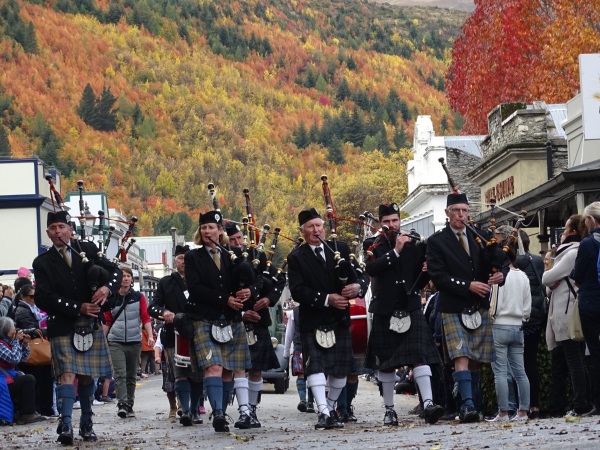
<point x="150" y="100"/>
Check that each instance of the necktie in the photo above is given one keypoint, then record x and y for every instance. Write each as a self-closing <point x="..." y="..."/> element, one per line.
<point x="320" y="257"/>
<point x="463" y="241"/>
<point x="216" y="258"/>
<point x="66" y="256"/>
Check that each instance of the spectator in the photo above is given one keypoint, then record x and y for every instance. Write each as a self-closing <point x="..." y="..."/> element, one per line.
<point x="512" y="308"/>
<point x="563" y="293"/>
<point x="17" y="391"/>
<point x="28" y="317"/>
<point x="123" y="332"/>
<point x="585" y="274"/>
<point x="6" y="303"/>
<point x="147" y="355"/>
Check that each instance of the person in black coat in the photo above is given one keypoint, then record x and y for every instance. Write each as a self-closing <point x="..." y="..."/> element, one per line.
<point x="257" y="320"/>
<point x="170" y="299"/>
<point x="215" y="303"/>
<point x="65" y="291"/>
<point x="314" y="280"/>
<point x="28" y="317"/>
<point x="396" y="267"/>
<point x="455" y="265"/>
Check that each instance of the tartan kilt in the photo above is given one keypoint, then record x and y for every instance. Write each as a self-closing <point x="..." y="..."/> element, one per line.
<point x="337" y="360"/>
<point x="477" y="345"/>
<point x="96" y="362"/>
<point x="262" y="352"/>
<point x="167" y="365"/>
<point x="297" y="363"/>
<point x="234" y="355"/>
<point x="390" y="350"/>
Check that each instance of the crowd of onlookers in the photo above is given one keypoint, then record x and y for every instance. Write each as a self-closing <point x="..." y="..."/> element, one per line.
<point x="27" y="391"/>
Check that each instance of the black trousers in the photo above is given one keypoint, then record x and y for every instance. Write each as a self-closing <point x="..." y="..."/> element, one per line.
<point x="22" y="394"/>
<point x="44" y="387"/>
<point x="590" y="323"/>
<point x="532" y="342"/>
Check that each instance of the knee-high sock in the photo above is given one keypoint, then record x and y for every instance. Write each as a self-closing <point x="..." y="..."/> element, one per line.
<point x="227" y="392"/>
<point x="463" y="378"/>
<point x="476" y="390"/>
<point x="301" y="386"/>
<point x="196" y="391"/>
<point x="316" y="382"/>
<point x="214" y="391"/>
<point x="86" y="397"/>
<point x="342" y="401"/>
<point x="336" y="385"/>
<point x="65" y="398"/>
<point x="182" y="389"/>
<point x="254" y="390"/>
<point x="241" y="392"/>
<point x="352" y="389"/>
<point x="387" y="379"/>
<point x="422" y="376"/>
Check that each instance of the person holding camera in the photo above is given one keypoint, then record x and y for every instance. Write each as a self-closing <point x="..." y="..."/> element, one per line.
<point x="17" y="390"/>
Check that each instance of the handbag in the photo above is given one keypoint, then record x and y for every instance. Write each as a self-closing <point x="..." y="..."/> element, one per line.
<point x="470" y="318"/>
<point x="251" y="335"/>
<point x="325" y="336"/>
<point x="575" y="331"/>
<point x="221" y="331"/>
<point x="40" y="352"/>
<point x="83" y="338"/>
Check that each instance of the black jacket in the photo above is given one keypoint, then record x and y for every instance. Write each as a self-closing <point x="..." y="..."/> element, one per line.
<point x="452" y="270"/>
<point x="61" y="290"/>
<point x="396" y="280"/>
<point x="529" y="264"/>
<point x="25" y="319"/>
<point x="310" y="284"/>
<point x="170" y="294"/>
<point x="210" y="287"/>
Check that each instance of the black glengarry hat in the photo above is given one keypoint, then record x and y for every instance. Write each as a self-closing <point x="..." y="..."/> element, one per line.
<point x="58" y="217"/>
<point x="231" y="228"/>
<point x="181" y="249"/>
<point x="454" y="199"/>
<point x="388" y="209"/>
<point x="211" y="217"/>
<point x="306" y="215"/>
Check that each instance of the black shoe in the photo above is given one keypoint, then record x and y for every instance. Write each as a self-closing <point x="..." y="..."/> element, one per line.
<point x="244" y="422"/>
<point x="468" y="414"/>
<point x="254" y="422"/>
<point x="432" y="413"/>
<point x="310" y="408"/>
<point x="86" y="431"/>
<point x="122" y="412"/>
<point x="390" y="418"/>
<point x="302" y="407"/>
<point x="196" y="420"/>
<point x="342" y="415"/>
<point x="351" y="416"/>
<point x="336" y="422"/>
<point x="449" y="415"/>
<point x="417" y="410"/>
<point x="65" y="436"/>
<point x="130" y="412"/>
<point x="185" y="420"/>
<point x="219" y="421"/>
<point x="324" y="422"/>
<point x="534" y="414"/>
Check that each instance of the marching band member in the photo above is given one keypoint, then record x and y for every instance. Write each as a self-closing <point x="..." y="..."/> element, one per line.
<point x="63" y="291"/>
<point x="453" y="263"/>
<point x="170" y="298"/>
<point x="219" y="346"/>
<point x="399" y="334"/>
<point x="257" y="320"/>
<point x="324" y="315"/>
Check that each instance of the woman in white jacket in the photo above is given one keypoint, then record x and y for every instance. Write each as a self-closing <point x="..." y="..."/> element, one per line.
<point x="560" y="310"/>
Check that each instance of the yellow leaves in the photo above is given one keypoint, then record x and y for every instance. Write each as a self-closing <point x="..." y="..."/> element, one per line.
<point x="109" y="72"/>
<point x="415" y="22"/>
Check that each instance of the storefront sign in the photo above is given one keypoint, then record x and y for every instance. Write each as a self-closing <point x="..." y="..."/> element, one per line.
<point x="502" y="190"/>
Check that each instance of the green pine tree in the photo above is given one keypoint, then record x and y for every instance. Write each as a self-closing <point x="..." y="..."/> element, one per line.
<point x="343" y="90"/>
<point x="400" y="138"/>
<point x="106" y="117"/>
<point x="321" y="84"/>
<point x="335" y="153"/>
<point x="301" y="138"/>
<point x="87" y="105"/>
<point x="4" y="143"/>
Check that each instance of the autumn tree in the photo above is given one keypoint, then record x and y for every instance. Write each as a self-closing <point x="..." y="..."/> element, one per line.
<point x="87" y="105"/>
<point x="335" y="152"/>
<point x="106" y="117"/>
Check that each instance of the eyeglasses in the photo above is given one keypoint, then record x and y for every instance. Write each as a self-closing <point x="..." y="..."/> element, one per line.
<point x="460" y="210"/>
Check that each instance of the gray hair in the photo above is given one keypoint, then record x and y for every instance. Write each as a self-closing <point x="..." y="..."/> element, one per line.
<point x="6" y="324"/>
<point x="592" y="210"/>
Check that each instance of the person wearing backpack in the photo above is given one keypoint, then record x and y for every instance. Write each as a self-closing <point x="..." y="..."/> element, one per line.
<point x="123" y="332"/>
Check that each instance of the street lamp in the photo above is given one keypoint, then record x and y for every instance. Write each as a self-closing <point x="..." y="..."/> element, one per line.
<point x="90" y="220"/>
<point x="174" y="239"/>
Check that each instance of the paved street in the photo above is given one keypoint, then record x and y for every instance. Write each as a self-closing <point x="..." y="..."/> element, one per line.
<point x="286" y="428"/>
